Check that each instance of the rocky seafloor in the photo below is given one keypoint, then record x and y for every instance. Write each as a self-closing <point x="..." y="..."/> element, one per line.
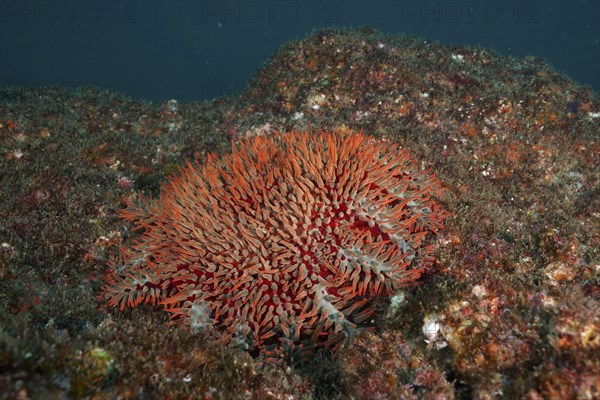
<point x="510" y="309"/>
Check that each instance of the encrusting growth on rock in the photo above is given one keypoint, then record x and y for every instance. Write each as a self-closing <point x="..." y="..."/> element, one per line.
<point x="281" y="245"/>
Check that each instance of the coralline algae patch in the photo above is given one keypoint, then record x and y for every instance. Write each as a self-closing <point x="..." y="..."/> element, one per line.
<point x="282" y="245"/>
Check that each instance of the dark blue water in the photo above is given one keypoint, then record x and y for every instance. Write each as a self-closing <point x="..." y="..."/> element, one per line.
<point x="195" y="50"/>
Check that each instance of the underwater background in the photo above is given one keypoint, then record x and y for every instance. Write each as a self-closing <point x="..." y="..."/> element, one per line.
<point x="198" y="50"/>
<point x="103" y="102"/>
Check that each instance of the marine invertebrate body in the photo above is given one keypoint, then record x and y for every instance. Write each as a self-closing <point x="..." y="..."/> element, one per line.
<point x="282" y="244"/>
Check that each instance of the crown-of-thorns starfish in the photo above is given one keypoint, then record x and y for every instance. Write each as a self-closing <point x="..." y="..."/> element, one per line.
<point x="282" y="244"/>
